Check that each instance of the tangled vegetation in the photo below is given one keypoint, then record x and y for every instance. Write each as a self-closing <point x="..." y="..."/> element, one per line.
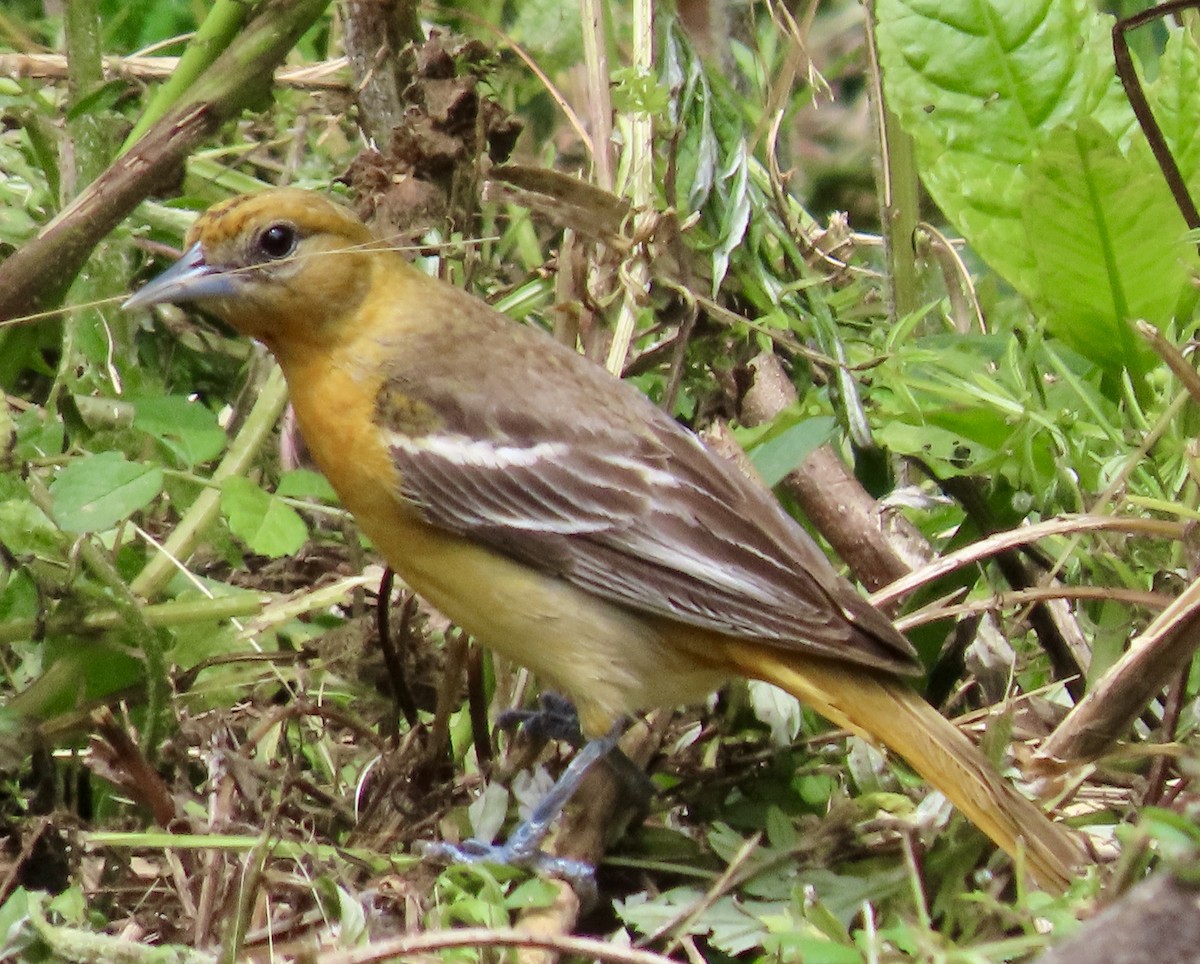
<point x="918" y="260"/>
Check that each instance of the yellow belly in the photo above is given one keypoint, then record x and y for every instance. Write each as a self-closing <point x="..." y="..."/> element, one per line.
<point x="609" y="661"/>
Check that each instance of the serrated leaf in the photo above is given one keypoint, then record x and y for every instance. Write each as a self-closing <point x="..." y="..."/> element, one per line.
<point x="979" y="85"/>
<point x="268" y="525"/>
<point x="1115" y="253"/>
<point x="734" y="926"/>
<point x="95" y="493"/>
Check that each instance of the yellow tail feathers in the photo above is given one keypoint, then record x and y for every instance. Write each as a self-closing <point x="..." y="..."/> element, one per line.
<point x="885" y="710"/>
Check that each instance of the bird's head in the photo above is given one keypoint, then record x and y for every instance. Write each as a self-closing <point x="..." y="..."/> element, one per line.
<point x="278" y="266"/>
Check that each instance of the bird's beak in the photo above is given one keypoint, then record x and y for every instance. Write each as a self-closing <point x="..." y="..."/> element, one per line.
<point x="188" y="279"/>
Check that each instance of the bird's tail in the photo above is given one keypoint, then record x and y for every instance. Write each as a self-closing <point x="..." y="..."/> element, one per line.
<point x="885" y="710"/>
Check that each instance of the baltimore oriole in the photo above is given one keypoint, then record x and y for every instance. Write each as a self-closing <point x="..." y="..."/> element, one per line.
<point x="553" y="512"/>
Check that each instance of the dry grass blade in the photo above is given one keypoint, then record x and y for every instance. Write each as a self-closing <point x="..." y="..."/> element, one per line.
<point x="325" y="75"/>
<point x="403" y="948"/>
<point x="1104" y="715"/>
<point x="985" y="548"/>
<point x="946" y="609"/>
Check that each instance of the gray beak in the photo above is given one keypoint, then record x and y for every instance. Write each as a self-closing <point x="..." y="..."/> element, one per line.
<point x="188" y="279"/>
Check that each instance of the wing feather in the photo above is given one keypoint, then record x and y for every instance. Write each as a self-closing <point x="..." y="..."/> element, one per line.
<point x="628" y="505"/>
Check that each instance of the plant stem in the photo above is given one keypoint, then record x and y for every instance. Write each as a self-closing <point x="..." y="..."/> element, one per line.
<point x="258" y="426"/>
<point x="209" y="41"/>
<point x="97" y="342"/>
<point x="157" y="616"/>
<point x="899" y="197"/>
<point x="639" y="167"/>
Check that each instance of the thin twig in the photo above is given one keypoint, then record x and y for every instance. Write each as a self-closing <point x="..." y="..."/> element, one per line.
<point x="481" y="937"/>
<point x="984" y="548"/>
<point x="323" y="75"/>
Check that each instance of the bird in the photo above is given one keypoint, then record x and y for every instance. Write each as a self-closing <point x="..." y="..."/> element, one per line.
<point x="557" y="515"/>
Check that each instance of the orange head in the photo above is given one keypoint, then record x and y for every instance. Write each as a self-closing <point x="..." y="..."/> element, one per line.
<point x="278" y="266"/>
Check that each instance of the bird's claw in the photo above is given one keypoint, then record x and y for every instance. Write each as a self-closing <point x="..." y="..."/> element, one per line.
<point x="554" y="719"/>
<point x="523" y="848"/>
<point x="580" y="874"/>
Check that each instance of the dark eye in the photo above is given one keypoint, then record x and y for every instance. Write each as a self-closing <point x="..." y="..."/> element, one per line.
<point x="277" y="241"/>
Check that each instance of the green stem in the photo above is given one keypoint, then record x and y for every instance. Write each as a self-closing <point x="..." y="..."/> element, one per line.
<point x="97" y="343"/>
<point x="638" y="161"/>
<point x="85" y="75"/>
<point x="899" y="196"/>
<point x="221" y="25"/>
<point x="157" y="616"/>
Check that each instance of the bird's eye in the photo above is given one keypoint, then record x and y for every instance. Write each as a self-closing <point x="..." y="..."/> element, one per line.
<point x="277" y="241"/>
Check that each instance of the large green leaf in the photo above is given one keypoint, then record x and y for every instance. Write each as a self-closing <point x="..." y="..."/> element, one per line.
<point x="1027" y="145"/>
<point x="1108" y="244"/>
<point x="789" y="446"/>
<point x="978" y="85"/>
<point x="95" y="493"/>
<point x="184" y="426"/>
<point x="1175" y="99"/>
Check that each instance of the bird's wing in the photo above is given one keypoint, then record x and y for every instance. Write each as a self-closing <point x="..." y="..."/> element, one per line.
<point x="629" y="506"/>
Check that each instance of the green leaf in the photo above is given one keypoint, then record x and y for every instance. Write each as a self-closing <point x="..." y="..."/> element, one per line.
<point x="781" y="453"/>
<point x="733" y="183"/>
<point x="1176" y="835"/>
<point x="78" y="673"/>
<point x="947" y="453"/>
<point x="733" y="926"/>
<point x="99" y="100"/>
<point x="305" y="484"/>
<point x="979" y="85"/>
<point x="1115" y="253"/>
<point x="696" y="155"/>
<point x="95" y="493"/>
<point x="1175" y="98"/>
<point x="781" y="832"/>
<point x="532" y="893"/>
<point x="801" y="947"/>
<point x="268" y="525"/>
<point x="14" y="919"/>
<point x="24" y="529"/>
<point x="37" y="436"/>
<point x="186" y="427"/>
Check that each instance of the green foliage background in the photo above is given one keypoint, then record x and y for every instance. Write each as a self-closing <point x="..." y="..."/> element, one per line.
<point x="121" y="431"/>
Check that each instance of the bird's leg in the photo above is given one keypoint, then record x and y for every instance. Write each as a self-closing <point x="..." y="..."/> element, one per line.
<point x="523" y="848"/>
<point x="554" y="719"/>
<point x="557" y="719"/>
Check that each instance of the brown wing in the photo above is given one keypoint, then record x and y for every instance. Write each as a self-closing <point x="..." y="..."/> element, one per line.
<point x="591" y="482"/>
